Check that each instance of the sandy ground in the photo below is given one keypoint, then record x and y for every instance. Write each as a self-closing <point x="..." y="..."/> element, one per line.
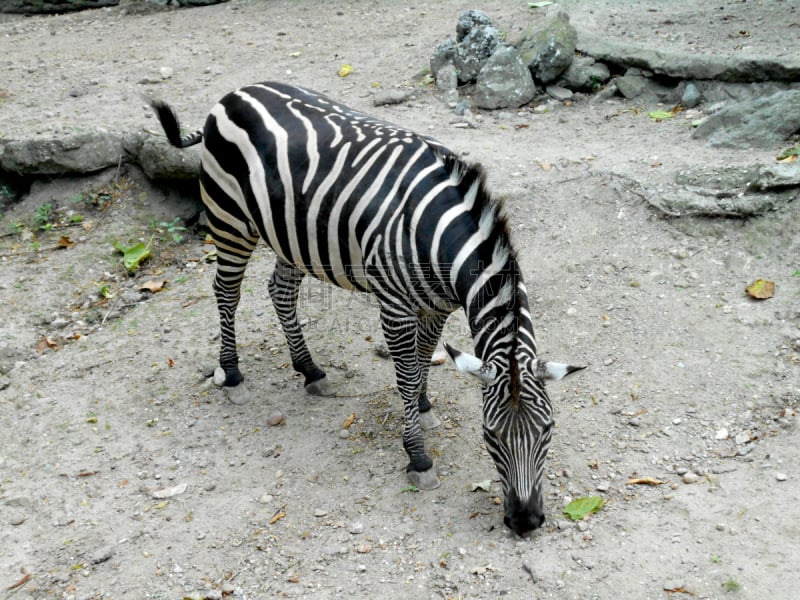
<point x="124" y="473"/>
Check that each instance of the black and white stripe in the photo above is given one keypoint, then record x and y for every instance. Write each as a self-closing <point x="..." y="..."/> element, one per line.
<point x="373" y="207"/>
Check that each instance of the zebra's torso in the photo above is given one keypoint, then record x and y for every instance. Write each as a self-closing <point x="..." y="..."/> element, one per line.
<point x="340" y="195"/>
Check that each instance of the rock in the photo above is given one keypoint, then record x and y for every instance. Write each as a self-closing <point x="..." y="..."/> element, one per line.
<point x="71" y="153"/>
<point x="444" y="54"/>
<point x="344" y="433"/>
<point x="742" y="438"/>
<point x="690" y="477"/>
<point x="478" y="43"/>
<point x="558" y="93"/>
<point x="276" y="418"/>
<point x="762" y="123"/>
<point x="446" y="78"/>
<point x="549" y="49"/>
<point x="160" y="160"/>
<point x="165" y="72"/>
<point x="470" y="20"/>
<point x="102" y="555"/>
<point x="34" y="7"/>
<point x="463" y="107"/>
<point x="170" y="492"/>
<point x="504" y="81"/>
<point x="631" y="85"/>
<point x="265" y="498"/>
<point x="356" y="527"/>
<point x="691" y="96"/>
<point x="730" y="191"/>
<point x="16" y="518"/>
<point x="690" y="65"/>
<point x="219" y="376"/>
<point x="391" y="97"/>
<point x="4" y="382"/>
<point x="780" y="476"/>
<point x="584" y="74"/>
<point x="722" y="434"/>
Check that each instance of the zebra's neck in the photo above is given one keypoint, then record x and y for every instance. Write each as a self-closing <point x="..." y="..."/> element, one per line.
<point x="498" y="314"/>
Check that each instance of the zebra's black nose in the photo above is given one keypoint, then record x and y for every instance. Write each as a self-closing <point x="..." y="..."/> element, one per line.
<point x="522" y="517"/>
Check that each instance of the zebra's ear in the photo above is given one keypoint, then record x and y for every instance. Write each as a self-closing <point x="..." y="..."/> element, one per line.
<point x="466" y="363"/>
<point x="548" y="369"/>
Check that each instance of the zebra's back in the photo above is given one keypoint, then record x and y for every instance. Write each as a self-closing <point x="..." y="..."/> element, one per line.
<point x="318" y="181"/>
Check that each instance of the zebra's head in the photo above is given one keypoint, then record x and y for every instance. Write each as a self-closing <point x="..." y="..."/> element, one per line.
<point x="517" y="427"/>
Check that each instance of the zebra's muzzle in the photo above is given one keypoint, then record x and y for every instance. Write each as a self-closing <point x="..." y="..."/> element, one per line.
<point x="522" y="517"/>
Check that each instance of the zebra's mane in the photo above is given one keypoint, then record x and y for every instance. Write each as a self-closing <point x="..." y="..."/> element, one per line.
<point x="467" y="175"/>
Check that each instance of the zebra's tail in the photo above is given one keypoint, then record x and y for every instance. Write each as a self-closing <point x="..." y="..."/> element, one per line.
<point x="169" y="121"/>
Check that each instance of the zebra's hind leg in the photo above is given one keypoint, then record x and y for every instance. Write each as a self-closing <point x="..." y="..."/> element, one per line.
<point x="429" y="330"/>
<point x="231" y="263"/>
<point x="400" y="331"/>
<point x="284" y="287"/>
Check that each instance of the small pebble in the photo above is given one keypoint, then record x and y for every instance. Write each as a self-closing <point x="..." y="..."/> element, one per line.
<point x="320" y="513"/>
<point x="780" y="476"/>
<point x="265" y="498"/>
<point x="16" y="518"/>
<point x="275" y="418"/>
<point x="690" y="477"/>
<point x="356" y="527"/>
<point x="102" y="555"/>
<point x="344" y="434"/>
<point x="219" y="376"/>
<point x="722" y="434"/>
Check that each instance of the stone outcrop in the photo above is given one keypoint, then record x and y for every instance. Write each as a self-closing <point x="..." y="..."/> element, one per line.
<point x="548" y="50"/>
<point x="504" y="81"/>
<point x="760" y="123"/>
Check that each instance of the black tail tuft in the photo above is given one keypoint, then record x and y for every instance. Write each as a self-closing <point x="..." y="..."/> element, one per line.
<point x="172" y="128"/>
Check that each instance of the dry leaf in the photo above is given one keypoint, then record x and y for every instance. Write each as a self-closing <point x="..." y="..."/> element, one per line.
<point x="761" y="289"/>
<point x="65" y="242"/>
<point x="349" y="421"/>
<point x="277" y="517"/>
<point x="21" y="581"/>
<point x="644" y="481"/>
<point x="46" y="343"/>
<point x="293" y="579"/>
<point x="345" y="70"/>
<point x="679" y="590"/>
<point x="170" y="362"/>
<point x="154" y="285"/>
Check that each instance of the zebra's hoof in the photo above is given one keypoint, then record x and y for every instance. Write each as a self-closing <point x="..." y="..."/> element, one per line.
<point x="428" y="420"/>
<point x="320" y="387"/>
<point x="238" y="394"/>
<point x="424" y="480"/>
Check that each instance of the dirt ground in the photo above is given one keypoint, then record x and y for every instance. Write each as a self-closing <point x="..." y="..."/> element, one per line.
<point x="125" y="473"/>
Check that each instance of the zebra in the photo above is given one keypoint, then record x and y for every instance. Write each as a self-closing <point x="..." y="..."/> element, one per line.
<point x="370" y="206"/>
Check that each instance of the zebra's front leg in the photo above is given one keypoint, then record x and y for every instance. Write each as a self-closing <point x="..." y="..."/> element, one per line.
<point x="284" y="287"/>
<point x="400" y="333"/>
<point x="429" y="330"/>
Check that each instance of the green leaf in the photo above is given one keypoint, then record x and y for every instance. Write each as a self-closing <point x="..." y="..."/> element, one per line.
<point x="788" y="153"/>
<point x="658" y="115"/>
<point x="410" y="488"/>
<point x="796" y="273"/>
<point x="580" y="507"/>
<point x="540" y="4"/>
<point x="132" y="257"/>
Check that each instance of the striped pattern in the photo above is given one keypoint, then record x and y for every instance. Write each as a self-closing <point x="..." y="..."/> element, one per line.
<point x="373" y="207"/>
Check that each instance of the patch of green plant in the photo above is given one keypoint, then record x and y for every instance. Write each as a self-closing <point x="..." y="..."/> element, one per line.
<point x="731" y="585"/>
<point x="796" y="273"/>
<point x="133" y="256"/>
<point x="174" y="228"/>
<point x="76" y="219"/>
<point x="715" y="558"/>
<point x="409" y="488"/>
<point x="42" y="217"/>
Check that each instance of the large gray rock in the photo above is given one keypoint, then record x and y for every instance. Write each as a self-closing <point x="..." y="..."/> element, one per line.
<point x="159" y="160"/>
<point x="584" y="74"/>
<point x="73" y="153"/>
<point x="504" y="81"/>
<point x="634" y="84"/>
<point x="476" y="39"/>
<point x="32" y="7"/>
<point x="730" y="191"/>
<point x="761" y="123"/>
<point x="549" y="49"/>
<point x="690" y="66"/>
<point x="475" y="48"/>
